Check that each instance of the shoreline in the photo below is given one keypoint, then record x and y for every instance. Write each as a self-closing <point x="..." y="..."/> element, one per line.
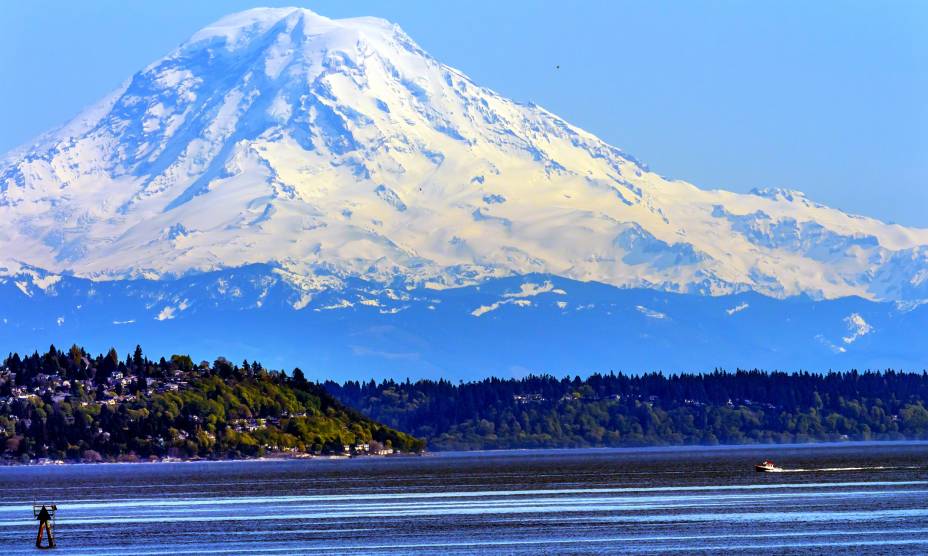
<point x="499" y="452"/>
<point x="692" y="447"/>
<point x="168" y="461"/>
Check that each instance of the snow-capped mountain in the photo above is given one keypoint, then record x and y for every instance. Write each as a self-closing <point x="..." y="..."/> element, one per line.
<point x="321" y="192"/>
<point x="337" y="149"/>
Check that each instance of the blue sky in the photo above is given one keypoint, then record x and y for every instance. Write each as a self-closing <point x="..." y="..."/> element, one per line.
<point x="827" y="97"/>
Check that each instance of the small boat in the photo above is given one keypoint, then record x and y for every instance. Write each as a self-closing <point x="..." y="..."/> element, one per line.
<point x="767" y="466"/>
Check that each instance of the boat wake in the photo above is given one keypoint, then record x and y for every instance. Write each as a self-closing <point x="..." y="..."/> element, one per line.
<point x="832" y="469"/>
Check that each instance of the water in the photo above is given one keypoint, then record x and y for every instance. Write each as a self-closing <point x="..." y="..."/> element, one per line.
<point x="852" y="498"/>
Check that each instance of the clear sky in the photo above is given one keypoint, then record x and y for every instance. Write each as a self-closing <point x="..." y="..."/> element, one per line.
<point x="827" y="97"/>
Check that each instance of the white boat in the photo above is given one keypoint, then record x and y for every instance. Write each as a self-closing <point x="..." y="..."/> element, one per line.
<point x="767" y="466"/>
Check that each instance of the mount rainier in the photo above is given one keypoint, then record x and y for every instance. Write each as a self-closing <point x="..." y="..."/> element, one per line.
<point x="286" y="167"/>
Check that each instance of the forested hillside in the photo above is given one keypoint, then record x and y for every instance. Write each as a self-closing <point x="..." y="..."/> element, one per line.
<point x="70" y="406"/>
<point x="619" y="410"/>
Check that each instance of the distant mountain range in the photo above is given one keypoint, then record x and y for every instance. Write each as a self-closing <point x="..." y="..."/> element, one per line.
<point x="504" y="327"/>
<point x="325" y="192"/>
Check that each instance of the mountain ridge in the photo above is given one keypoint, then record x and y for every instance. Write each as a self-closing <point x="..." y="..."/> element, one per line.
<point x="502" y="327"/>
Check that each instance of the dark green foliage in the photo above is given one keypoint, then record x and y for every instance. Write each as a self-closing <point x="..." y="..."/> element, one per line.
<point x="622" y="410"/>
<point x="70" y="406"/>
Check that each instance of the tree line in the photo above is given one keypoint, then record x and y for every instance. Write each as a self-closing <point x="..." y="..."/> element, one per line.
<point x="649" y="409"/>
<point x="70" y="405"/>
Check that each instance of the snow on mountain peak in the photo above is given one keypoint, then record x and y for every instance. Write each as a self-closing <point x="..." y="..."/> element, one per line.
<point x="239" y="30"/>
<point x="340" y="148"/>
<point x="779" y="193"/>
<point x="235" y="28"/>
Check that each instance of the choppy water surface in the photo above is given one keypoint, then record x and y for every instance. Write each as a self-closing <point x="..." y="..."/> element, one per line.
<point x="849" y="498"/>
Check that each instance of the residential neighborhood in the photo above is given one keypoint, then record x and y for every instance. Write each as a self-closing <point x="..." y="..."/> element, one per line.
<point x="69" y="406"/>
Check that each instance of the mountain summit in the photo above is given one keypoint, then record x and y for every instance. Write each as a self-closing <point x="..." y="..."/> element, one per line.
<point x="339" y="149"/>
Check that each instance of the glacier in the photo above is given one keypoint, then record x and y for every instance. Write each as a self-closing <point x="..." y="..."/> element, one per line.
<point x="340" y="158"/>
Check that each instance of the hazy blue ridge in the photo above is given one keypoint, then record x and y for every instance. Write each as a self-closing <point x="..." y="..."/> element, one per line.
<point x="370" y="330"/>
